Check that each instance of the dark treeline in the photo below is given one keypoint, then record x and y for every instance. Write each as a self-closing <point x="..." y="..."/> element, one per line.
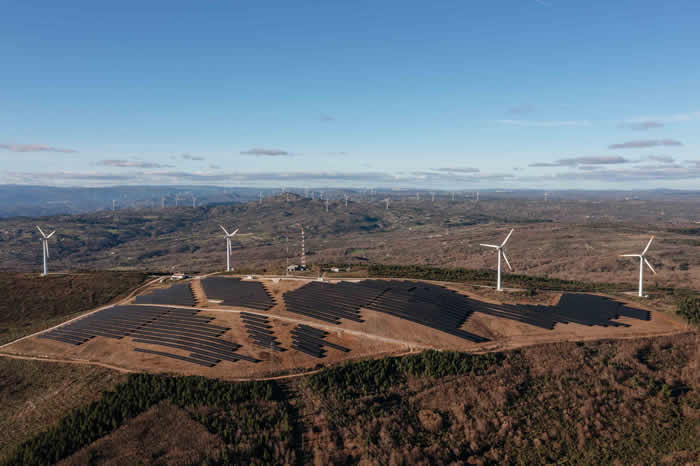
<point x="249" y="412"/>
<point x="371" y="376"/>
<point x="488" y="277"/>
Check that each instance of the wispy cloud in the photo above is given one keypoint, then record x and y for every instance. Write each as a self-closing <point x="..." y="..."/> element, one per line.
<point x="641" y="125"/>
<point x="546" y="124"/>
<point x="187" y="156"/>
<point x="575" y="161"/>
<point x="661" y="158"/>
<point x="642" y="144"/>
<point x="458" y="169"/>
<point x="35" y="148"/>
<point x="261" y="152"/>
<point x="130" y="164"/>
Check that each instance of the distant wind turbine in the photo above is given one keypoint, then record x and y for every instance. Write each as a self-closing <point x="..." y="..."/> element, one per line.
<point x="228" y="237"/>
<point x="642" y="260"/>
<point x="501" y="252"/>
<point x="45" y="248"/>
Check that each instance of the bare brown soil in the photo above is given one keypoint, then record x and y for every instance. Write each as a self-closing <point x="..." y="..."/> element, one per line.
<point x="165" y="434"/>
<point x="379" y="334"/>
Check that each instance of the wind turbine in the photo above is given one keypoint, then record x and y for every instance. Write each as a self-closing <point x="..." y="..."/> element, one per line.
<point x="501" y="252"/>
<point x="642" y="260"/>
<point x="228" y="237"/>
<point x="45" y="247"/>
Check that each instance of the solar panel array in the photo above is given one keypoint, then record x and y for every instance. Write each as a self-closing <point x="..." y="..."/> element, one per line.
<point x="239" y="293"/>
<point x="423" y="303"/>
<point x="260" y="331"/>
<point x="443" y="309"/>
<point x="331" y="302"/>
<point x="177" y="328"/>
<point x="583" y="309"/>
<point x="178" y="295"/>
<point x="312" y="341"/>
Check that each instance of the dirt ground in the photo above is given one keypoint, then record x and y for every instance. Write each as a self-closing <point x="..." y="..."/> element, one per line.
<point x="379" y="334"/>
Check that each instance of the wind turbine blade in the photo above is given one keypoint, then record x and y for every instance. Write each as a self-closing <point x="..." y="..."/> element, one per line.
<point x="506" y="258"/>
<point x="221" y="226"/>
<point x="490" y="246"/>
<point x="507" y="237"/>
<point x="235" y="231"/>
<point x="648" y="244"/>
<point x="630" y="255"/>
<point x="649" y="265"/>
<point x="51" y="234"/>
<point x="41" y="231"/>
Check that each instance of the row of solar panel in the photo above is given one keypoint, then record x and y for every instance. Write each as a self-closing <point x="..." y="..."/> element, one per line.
<point x="170" y="327"/>
<point x="238" y="293"/>
<point x="178" y="295"/>
<point x="260" y="331"/>
<point x="312" y="341"/>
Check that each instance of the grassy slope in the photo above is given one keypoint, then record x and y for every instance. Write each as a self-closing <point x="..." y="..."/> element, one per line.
<point x="632" y="401"/>
<point x="31" y="303"/>
<point x="36" y="394"/>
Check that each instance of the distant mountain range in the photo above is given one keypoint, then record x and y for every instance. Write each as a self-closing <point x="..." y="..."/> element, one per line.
<point x="36" y="201"/>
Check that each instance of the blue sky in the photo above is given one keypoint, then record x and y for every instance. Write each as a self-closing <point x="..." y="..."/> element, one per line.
<point x="463" y="94"/>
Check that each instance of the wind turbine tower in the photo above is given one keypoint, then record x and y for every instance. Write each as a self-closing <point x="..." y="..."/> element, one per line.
<point x="346" y="200"/>
<point x="433" y="194"/>
<point x="502" y="253"/>
<point x="642" y="260"/>
<point x="194" y="202"/>
<point x="45" y="248"/>
<point x="453" y="195"/>
<point x="387" y="203"/>
<point x="114" y="204"/>
<point x="228" y="237"/>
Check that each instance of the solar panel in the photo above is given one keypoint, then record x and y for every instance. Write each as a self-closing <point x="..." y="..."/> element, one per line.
<point x="179" y="294"/>
<point x="175" y="356"/>
<point x="259" y="331"/>
<point x="238" y="293"/>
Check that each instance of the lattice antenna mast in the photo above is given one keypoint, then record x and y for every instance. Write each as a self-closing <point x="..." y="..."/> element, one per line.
<point x="303" y="249"/>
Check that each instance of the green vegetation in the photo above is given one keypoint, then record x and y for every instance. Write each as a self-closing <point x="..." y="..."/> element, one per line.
<point x="604" y="402"/>
<point x="489" y="276"/>
<point x="356" y="379"/>
<point x="245" y="415"/>
<point x="689" y="309"/>
<point x="31" y="303"/>
<point x="624" y="402"/>
<point x="36" y="394"/>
